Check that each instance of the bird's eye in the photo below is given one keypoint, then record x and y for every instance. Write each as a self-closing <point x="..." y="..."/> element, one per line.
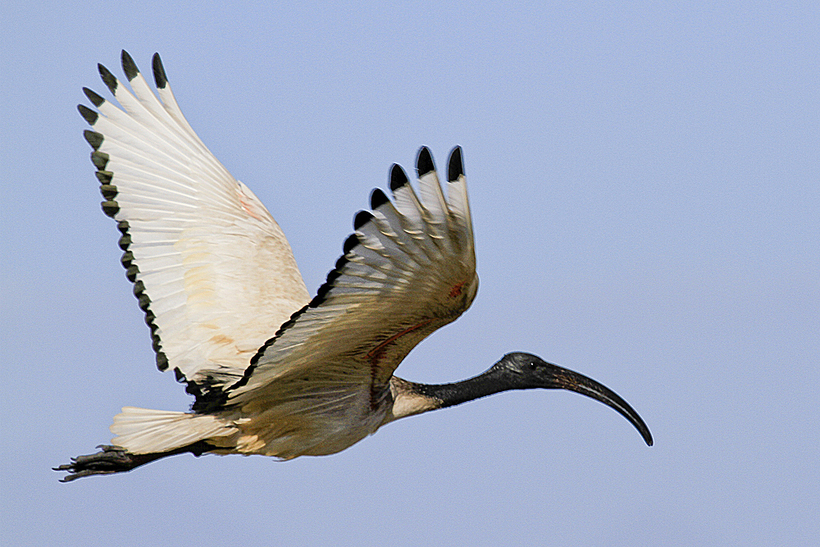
<point x="532" y="365"/>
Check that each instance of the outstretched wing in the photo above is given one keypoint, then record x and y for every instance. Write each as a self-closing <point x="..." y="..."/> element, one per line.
<point x="212" y="270"/>
<point x="408" y="270"/>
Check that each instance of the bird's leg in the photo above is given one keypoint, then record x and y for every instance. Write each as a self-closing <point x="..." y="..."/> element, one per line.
<point x="111" y="459"/>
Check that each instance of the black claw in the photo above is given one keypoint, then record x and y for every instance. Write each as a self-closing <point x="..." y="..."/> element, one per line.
<point x="95" y="99"/>
<point x="456" y="167"/>
<point x="398" y="177"/>
<point x="159" y="72"/>
<point x="109" y="79"/>
<point x="129" y="66"/>
<point x="424" y="162"/>
<point x="89" y="115"/>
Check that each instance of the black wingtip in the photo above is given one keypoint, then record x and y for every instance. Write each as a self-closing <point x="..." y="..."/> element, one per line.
<point x="424" y="162"/>
<point x="129" y="66"/>
<point x="110" y="208"/>
<point x="94" y="139"/>
<point x="108" y="191"/>
<point x="105" y="178"/>
<point x="99" y="159"/>
<point x="109" y="79"/>
<point x="351" y="241"/>
<point x="361" y="218"/>
<point x="456" y="166"/>
<point x="398" y="177"/>
<point x="89" y="115"/>
<point x="377" y="198"/>
<point x="162" y="361"/>
<point x="95" y="99"/>
<point x="159" y="72"/>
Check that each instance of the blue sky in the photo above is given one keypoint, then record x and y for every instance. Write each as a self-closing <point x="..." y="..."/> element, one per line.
<point x="645" y="186"/>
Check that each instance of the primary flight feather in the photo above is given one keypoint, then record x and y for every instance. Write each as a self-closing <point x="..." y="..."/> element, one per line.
<point x="274" y="372"/>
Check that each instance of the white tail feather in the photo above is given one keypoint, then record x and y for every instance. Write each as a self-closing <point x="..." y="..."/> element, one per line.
<point x="146" y="431"/>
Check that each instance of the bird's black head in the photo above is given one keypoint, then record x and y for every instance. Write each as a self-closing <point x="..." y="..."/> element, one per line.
<point x="526" y="371"/>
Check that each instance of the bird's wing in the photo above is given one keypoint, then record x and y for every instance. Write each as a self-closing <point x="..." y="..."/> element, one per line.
<point x="211" y="269"/>
<point x="408" y="269"/>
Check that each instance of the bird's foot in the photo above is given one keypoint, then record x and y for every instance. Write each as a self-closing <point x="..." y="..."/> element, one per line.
<point x="111" y="459"/>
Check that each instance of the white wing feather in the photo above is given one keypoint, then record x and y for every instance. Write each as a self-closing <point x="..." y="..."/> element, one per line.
<point x="212" y="269"/>
<point x="215" y="275"/>
<point x="408" y="270"/>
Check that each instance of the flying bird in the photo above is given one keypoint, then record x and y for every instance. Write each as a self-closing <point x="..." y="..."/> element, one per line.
<point x="272" y="370"/>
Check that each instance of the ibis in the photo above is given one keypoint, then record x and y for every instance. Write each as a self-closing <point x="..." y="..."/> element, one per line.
<point x="273" y="371"/>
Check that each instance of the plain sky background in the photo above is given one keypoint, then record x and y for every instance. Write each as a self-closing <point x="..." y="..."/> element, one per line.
<point x="645" y="186"/>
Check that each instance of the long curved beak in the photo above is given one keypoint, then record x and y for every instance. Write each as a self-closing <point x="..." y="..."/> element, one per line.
<point x="573" y="381"/>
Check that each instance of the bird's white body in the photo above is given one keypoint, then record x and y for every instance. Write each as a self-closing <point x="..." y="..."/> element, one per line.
<point x="274" y="372"/>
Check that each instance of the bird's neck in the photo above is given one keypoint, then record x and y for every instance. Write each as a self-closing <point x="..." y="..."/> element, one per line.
<point x="412" y="398"/>
<point x="486" y="383"/>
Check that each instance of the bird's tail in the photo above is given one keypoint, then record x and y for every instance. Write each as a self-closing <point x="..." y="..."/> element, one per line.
<point x="145" y="435"/>
<point x="146" y="431"/>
